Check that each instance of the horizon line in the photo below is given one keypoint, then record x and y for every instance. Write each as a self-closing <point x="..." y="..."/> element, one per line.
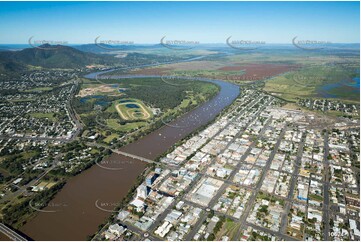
<point x="158" y="43"/>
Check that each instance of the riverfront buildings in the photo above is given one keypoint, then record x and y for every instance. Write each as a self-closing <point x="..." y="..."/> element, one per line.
<point x="259" y="172"/>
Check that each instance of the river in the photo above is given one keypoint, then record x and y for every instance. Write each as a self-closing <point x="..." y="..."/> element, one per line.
<point x="77" y="215"/>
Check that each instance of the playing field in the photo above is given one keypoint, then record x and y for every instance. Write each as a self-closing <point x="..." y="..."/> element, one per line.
<point x="132" y="109"/>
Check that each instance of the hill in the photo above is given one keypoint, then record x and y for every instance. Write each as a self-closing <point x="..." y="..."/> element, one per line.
<point x="104" y="48"/>
<point x="51" y="56"/>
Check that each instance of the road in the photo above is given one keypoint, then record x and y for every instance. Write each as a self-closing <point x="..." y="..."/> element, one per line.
<point x="229" y="180"/>
<point x="254" y="194"/>
<point x="200" y="221"/>
<point x="326" y="187"/>
<point x="168" y="210"/>
<point x="296" y="171"/>
<point x="279" y="234"/>
<point x="72" y="115"/>
<point x="10" y="196"/>
<point x="11" y="233"/>
<point x="28" y="137"/>
<point x="122" y="153"/>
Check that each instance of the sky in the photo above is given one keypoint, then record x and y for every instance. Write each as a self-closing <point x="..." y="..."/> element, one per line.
<point x="204" y="22"/>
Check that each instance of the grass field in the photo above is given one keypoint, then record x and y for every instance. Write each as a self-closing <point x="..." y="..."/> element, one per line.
<point x="114" y="124"/>
<point x="228" y="229"/>
<point x="113" y="114"/>
<point x="39" y="89"/>
<point x="310" y="82"/>
<point x="45" y="184"/>
<point x="109" y="138"/>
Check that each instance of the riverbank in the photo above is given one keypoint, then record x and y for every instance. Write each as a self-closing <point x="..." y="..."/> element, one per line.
<point x="81" y="217"/>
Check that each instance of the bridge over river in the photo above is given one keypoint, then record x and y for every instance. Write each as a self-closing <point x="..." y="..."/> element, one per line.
<point x="10" y="233"/>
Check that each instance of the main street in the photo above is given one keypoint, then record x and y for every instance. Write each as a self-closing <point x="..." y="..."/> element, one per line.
<point x="297" y="165"/>
<point x="161" y="217"/>
<point x="255" y="192"/>
<point x="326" y="189"/>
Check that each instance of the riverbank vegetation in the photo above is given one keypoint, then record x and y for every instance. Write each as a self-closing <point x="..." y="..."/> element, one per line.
<point x="162" y="99"/>
<point x="18" y="214"/>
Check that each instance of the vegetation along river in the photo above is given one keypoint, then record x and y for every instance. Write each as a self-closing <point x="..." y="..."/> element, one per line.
<point x="77" y="214"/>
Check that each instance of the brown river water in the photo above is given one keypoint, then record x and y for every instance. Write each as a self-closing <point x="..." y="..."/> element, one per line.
<point x="3" y="237"/>
<point x="75" y="211"/>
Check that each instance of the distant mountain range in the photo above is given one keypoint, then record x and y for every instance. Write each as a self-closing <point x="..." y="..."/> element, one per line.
<point x="51" y="56"/>
<point x="104" y="48"/>
<point x="17" y="57"/>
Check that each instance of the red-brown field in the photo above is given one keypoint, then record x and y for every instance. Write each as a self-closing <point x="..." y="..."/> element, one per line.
<point x="251" y="71"/>
<point x="152" y="71"/>
<point x="258" y="71"/>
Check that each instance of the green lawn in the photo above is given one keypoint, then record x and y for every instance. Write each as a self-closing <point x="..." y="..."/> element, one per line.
<point x="40" y="89"/>
<point x="109" y="138"/>
<point x="113" y="123"/>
